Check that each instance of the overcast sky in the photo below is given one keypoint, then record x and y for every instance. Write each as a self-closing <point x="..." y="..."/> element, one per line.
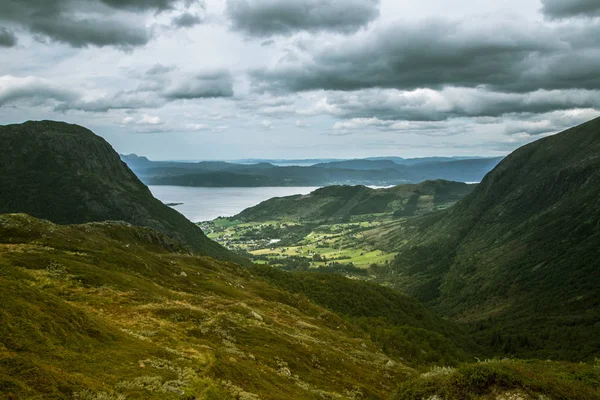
<point x="232" y="79"/>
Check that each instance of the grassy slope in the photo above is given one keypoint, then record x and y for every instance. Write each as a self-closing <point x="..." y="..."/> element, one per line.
<point x="67" y="174"/>
<point x="108" y="309"/>
<point x="342" y="202"/>
<point x="506" y="380"/>
<point x="519" y="254"/>
<point x="400" y="324"/>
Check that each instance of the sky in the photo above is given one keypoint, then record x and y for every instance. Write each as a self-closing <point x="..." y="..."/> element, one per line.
<point x="288" y="79"/>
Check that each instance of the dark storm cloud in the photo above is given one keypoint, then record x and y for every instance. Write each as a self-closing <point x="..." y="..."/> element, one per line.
<point x="202" y="86"/>
<point x="284" y="17"/>
<point x="160" y="5"/>
<point x="559" y="9"/>
<point x="84" y="32"/>
<point x="81" y="23"/>
<point x="507" y="56"/>
<point x="186" y="20"/>
<point x="7" y="38"/>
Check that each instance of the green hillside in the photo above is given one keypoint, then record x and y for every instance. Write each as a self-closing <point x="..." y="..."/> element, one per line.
<point x="519" y="257"/>
<point x="110" y="308"/>
<point x="108" y="311"/>
<point x="113" y="308"/>
<point x="66" y="174"/>
<point x="338" y="203"/>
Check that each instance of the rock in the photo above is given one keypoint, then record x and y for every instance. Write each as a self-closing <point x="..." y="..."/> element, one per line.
<point x="305" y="325"/>
<point x="183" y="274"/>
<point x="390" y="364"/>
<point x="253" y="314"/>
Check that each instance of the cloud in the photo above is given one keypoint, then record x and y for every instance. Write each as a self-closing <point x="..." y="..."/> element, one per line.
<point x="186" y="20"/>
<point x="447" y="103"/>
<point x="158" y="5"/>
<point x="502" y="55"/>
<point x="149" y="120"/>
<point x="157" y="88"/>
<point x="159" y="69"/>
<point x="207" y="85"/>
<point x="145" y="119"/>
<point x="121" y="23"/>
<point x="549" y="123"/>
<point x="263" y="18"/>
<point x="267" y="124"/>
<point x="7" y="38"/>
<point x="197" y="127"/>
<point x="32" y="90"/>
<point x="302" y="124"/>
<point x="559" y="9"/>
<point x="122" y="100"/>
<point x="97" y="32"/>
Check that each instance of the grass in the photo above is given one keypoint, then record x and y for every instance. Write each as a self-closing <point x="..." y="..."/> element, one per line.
<point x="506" y="379"/>
<point x="103" y="311"/>
<point x="111" y="312"/>
<point x="340" y="242"/>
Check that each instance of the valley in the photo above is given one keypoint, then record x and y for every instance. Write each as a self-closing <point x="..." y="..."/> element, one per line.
<point x="416" y="291"/>
<point x="299" y="200"/>
<point x="300" y="246"/>
<point x="327" y="229"/>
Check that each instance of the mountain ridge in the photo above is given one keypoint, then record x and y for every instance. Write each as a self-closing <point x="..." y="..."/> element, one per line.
<point x="520" y="250"/>
<point x="67" y="174"/>
<point x="374" y="172"/>
<point x="342" y="202"/>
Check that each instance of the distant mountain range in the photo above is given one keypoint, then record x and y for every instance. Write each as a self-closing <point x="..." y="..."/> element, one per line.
<point x="375" y="172"/>
<point x="313" y="161"/>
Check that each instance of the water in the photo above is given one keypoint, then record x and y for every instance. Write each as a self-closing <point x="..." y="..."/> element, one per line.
<point x="206" y="203"/>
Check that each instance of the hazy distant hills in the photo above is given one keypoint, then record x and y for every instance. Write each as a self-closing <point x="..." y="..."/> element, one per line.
<point x="66" y="174"/>
<point x="336" y="203"/>
<point x="521" y="253"/>
<point x="381" y="172"/>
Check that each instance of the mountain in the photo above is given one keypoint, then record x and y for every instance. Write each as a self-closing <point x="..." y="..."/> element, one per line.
<point x="520" y="256"/>
<point x="360" y="165"/>
<point x="112" y="311"/>
<point x="422" y="160"/>
<point x="341" y="202"/>
<point x="384" y="172"/>
<point x="66" y="174"/>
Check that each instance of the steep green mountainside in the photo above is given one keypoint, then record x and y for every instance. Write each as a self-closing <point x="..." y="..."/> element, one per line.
<point x="520" y="254"/>
<point x="66" y="174"/>
<point x="342" y="202"/>
<point x="109" y="309"/>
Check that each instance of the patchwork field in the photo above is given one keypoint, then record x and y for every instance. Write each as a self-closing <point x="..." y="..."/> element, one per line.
<point x="304" y="245"/>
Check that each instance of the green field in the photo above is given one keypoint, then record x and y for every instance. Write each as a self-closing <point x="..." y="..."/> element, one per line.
<point x="303" y="245"/>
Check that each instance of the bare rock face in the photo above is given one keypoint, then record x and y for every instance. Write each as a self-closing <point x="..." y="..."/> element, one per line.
<point x="68" y="175"/>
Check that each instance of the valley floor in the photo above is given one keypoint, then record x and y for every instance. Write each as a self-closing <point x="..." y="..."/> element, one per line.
<point x="302" y="245"/>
